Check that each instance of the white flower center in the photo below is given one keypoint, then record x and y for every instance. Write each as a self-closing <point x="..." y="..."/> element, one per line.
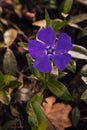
<point x="50" y="50"/>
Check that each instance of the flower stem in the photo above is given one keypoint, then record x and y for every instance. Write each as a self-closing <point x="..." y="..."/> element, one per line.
<point x="46" y="77"/>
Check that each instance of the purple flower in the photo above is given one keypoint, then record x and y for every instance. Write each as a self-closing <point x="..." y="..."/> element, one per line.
<point x="47" y="48"/>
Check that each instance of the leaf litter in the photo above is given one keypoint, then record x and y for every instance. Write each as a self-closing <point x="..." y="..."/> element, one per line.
<point x="57" y="113"/>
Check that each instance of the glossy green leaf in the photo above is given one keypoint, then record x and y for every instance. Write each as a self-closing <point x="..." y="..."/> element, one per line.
<point x="14" y="84"/>
<point x="82" y="33"/>
<point x="5" y="97"/>
<point x="1" y="80"/>
<point x="8" y="79"/>
<point x="9" y="62"/>
<point x="14" y="111"/>
<point x="84" y="96"/>
<point x="42" y="126"/>
<point x="35" y="113"/>
<point x="72" y="66"/>
<point x="78" y="52"/>
<point x="66" y="6"/>
<point x="9" y="124"/>
<point x="9" y="36"/>
<point x="47" y="17"/>
<point x="75" y="116"/>
<point x="58" y="25"/>
<point x="38" y="97"/>
<point x="59" y="89"/>
<point x="78" y="18"/>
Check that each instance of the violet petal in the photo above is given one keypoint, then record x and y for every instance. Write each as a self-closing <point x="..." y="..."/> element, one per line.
<point x="42" y="63"/>
<point x="35" y="48"/>
<point x="64" y="43"/>
<point x="47" y="35"/>
<point x="61" y="61"/>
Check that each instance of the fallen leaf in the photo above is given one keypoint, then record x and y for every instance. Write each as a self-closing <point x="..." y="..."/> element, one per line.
<point x="30" y="15"/>
<point x="57" y="113"/>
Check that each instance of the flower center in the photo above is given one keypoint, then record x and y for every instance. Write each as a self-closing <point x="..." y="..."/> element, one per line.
<point x="50" y="50"/>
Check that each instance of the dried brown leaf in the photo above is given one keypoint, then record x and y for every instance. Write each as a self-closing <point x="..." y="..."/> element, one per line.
<point x="30" y="15"/>
<point x="57" y="113"/>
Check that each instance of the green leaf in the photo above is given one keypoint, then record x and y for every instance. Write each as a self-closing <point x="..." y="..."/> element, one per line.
<point x="72" y="66"/>
<point x="78" y="18"/>
<point x="9" y="124"/>
<point x="78" y="52"/>
<point x="5" y="97"/>
<point x="82" y="33"/>
<point x="58" y="89"/>
<point x="24" y="45"/>
<point x="9" y="36"/>
<point x="58" y="25"/>
<point x="14" y="84"/>
<point x="38" y="97"/>
<point x="75" y="116"/>
<point x="84" y="96"/>
<point x="9" y="62"/>
<point x="36" y="114"/>
<point x="14" y="111"/>
<point x="47" y="17"/>
<point x="17" y="1"/>
<point x="42" y="126"/>
<point x="8" y="79"/>
<point x="1" y="80"/>
<point x="66" y="6"/>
